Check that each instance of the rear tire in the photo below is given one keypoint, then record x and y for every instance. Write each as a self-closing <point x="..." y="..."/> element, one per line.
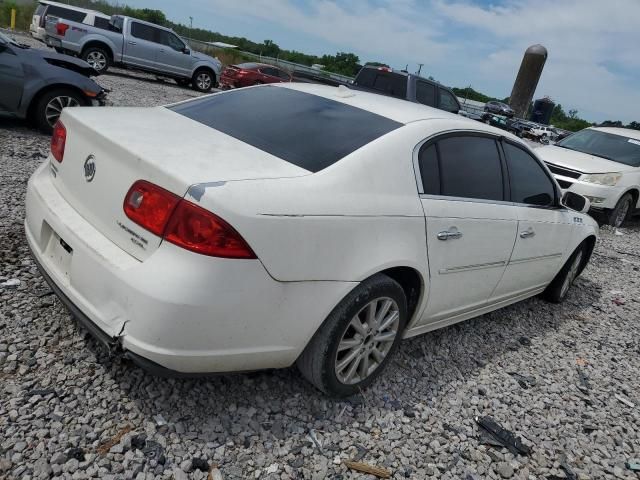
<point x="356" y="341"/>
<point x="49" y="106"/>
<point x="203" y="80"/>
<point x="621" y="212"/>
<point x="98" y="58"/>
<point x="559" y="287"/>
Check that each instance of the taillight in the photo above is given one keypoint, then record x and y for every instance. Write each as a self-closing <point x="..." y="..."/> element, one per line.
<point x="58" y="139"/>
<point x="150" y="206"/>
<point x="183" y="223"/>
<point x="61" y="28"/>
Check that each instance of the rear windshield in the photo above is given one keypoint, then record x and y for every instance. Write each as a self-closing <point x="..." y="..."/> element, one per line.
<point x="306" y="130"/>
<point x="390" y="83"/>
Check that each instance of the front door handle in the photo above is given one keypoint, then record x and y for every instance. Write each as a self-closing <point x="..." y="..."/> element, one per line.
<point x="132" y="43"/>
<point x="452" y="233"/>
<point x="527" y="233"/>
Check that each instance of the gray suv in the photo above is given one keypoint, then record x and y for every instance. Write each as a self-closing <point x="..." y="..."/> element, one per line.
<point x="135" y="44"/>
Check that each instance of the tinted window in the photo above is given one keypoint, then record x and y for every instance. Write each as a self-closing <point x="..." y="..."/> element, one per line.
<point x="606" y="145"/>
<point x="425" y="93"/>
<point x="269" y="71"/>
<point x="309" y="131"/>
<point x="283" y="75"/>
<point x="142" y="31"/>
<point x="169" y="39"/>
<point x="101" y="23"/>
<point x="386" y="82"/>
<point x="529" y="183"/>
<point x="470" y="167"/>
<point x="66" y="13"/>
<point x="429" y="170"/>
<point x="448" y="101"/>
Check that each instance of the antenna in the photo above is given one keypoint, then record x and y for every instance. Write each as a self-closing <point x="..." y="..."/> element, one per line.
<point x="419" y="68"/>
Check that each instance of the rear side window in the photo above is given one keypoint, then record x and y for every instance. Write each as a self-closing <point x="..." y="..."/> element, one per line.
<point x="426" y="93"/>
<point x="470" y="167"/>
<point x="306" y="130"/>
<point x="102" y="23"/>
<point x="66" y="13"/>
<point x="529" y="183"/>
<point x="448" y="101"/>
<point x="142" y="31"/>
<point x="389" y="83"/>
<point x="430" y="170"/>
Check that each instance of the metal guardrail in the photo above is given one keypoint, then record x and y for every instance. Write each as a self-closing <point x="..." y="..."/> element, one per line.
<point x="291" y="66"/>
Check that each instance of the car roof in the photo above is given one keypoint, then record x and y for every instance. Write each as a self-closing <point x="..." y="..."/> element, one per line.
<point x="625" y="132"/>
<point x="394" y="108"/>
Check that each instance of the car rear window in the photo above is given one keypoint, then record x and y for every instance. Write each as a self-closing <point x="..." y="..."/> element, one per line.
<point x="306" y="130"/>
<point x="66" y="13"/>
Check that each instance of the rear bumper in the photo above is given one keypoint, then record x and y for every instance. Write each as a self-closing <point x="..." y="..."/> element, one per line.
<point x="177" y="312"/>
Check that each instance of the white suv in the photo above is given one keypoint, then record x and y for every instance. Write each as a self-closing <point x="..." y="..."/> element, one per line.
<point x="541" y="131"/>
<point x="603" y="164"/>
<point x="68" y="12"/>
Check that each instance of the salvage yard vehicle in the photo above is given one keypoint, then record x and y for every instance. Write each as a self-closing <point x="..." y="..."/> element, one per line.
<point x="499" y="108"/>
<point x="36" y="84"/>
<point x="406" y="86"/>
<point x="247" y="74"/>
<point x="138" y="45"/>
<point x="319" y="228"/>
<point x="64" y="11"/>
<point x="603" y="164"/>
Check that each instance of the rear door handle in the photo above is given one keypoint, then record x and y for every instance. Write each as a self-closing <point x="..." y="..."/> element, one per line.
<point x="529" y="232"/>
<point x="132" y="43"/>
<point x="452" y="233"/>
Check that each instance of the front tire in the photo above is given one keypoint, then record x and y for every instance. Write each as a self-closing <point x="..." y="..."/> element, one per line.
<point x="621" y="212"/>
<point x="49" y="107"/>
<point x="203" y="80"/>
<point x="356" y="341"/>
<point x="98" y="58"/>
<point x="558" y="289"/>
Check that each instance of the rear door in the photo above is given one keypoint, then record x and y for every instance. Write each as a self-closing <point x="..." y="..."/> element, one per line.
<point x="171" y="55"/>
<point x="471" y="229"/>
<point x="544" y="230"/>
<point x="141" y="48"/>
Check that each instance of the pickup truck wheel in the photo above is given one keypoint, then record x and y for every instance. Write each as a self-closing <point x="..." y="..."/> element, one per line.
<point x="97" y="57"/>
<point x="203" y="80"/>
<point x="357" y="339"/>
<point x="50" y="105"/>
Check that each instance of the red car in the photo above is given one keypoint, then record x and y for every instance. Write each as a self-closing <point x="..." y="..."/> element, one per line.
<point x="246" y="74"/>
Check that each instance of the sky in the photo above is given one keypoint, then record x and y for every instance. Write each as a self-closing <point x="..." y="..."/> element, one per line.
<point x="593" y="64"/>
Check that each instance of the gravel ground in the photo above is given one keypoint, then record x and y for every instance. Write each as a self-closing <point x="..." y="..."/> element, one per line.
<point x="68" y="410"/>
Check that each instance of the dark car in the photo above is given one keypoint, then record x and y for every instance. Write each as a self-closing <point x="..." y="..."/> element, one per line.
<point x="37" y="84"/>
<point x="247" y="74"/>
<point x="519" y="128"/>
<point x="499" y="108"/>
<point x="407" y="86"/>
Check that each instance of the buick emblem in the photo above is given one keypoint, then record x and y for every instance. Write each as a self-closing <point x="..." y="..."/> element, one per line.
<point x="89" y="168"/>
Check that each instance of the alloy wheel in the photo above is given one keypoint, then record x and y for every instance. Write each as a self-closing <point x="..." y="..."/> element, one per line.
<point x="571" y="274"/>
<point x="54" y="108"/>
<point x="203" y="81"/>
<point x="367" y="340"/>
<point x="97" y="60"/>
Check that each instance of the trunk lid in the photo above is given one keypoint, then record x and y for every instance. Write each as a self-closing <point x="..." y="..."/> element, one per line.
<point x="108" y="149"/>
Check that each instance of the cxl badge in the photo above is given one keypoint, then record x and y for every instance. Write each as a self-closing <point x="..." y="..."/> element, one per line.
<point x="89" y="168"/>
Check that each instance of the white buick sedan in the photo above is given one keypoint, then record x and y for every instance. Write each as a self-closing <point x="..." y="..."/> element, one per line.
<point x="303" y="224"/>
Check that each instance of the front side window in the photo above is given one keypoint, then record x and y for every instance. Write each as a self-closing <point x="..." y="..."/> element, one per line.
<point x="529" y="183"/>
<point x="470" y="167"/>
<point x="170" y="40"/>
<point x="142" y="31"/>
<point x="425" y="93"/>
<point x="448" y="101"/>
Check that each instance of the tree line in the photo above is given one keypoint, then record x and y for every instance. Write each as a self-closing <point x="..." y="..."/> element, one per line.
<point x="343" y="63"/>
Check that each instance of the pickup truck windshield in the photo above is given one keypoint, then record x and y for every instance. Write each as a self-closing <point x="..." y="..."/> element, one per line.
<point x="606" y="145"/>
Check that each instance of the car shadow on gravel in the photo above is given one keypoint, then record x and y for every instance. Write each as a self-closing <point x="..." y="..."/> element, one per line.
<point x="424" y="370"/>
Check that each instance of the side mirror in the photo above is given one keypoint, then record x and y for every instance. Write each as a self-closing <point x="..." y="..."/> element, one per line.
<point x="186" y="51"/>
<point x="576" y="202"/>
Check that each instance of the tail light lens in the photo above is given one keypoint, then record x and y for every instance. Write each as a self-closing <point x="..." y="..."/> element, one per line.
<point x="58" y="140"/>
<point x="61" y="28"/>
<point x="183" y="223"/>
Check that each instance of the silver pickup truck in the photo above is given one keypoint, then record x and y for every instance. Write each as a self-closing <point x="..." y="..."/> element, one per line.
<point x="134" y="44"/>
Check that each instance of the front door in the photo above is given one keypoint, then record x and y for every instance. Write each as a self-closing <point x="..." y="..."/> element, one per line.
<point x="544" y="229"/>
<point x="470" y="228"/>
<point x="172" y="56"/>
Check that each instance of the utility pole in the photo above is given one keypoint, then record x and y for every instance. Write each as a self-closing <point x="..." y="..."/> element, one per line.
<point x="191" y="27"/>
